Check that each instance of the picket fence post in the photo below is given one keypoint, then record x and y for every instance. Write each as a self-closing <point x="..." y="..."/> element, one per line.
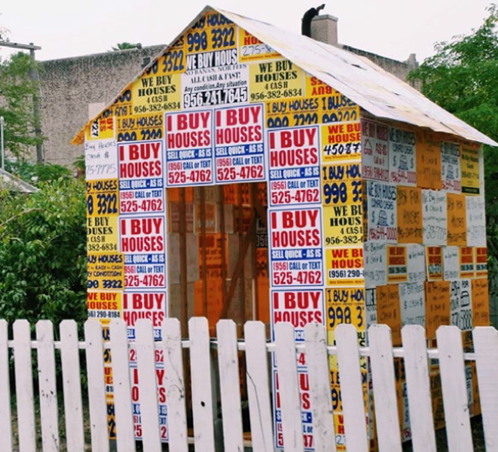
<point x="5" y="411"/>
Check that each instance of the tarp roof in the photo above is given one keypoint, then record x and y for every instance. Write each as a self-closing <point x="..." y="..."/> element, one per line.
<point x="376" y="91"/>
<point x="12" y="183"/>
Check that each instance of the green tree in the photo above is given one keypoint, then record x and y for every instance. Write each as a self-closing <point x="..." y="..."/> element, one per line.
<point x="127" y="46"/>
<point x="16" y="92"/>
<point x="462" y="78"/>
<point x="43" y="253"/>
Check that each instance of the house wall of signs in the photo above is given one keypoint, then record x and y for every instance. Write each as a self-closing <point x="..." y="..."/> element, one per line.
<point x="368" y="222"/>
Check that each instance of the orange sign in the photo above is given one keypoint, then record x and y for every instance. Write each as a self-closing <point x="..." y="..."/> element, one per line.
<point x="456" y="220"/>
<point x="437" y="306"/>
<point x="397" y="269"/>
<point x="434" y="263"/>
<point x="428" y="157"/>
<point x="480" y="302"/>
<point x="388" y="310"/>
<point x="409" y="208"/>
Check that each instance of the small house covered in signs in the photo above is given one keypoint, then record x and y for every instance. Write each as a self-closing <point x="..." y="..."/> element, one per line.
<point x="252" y="173"/>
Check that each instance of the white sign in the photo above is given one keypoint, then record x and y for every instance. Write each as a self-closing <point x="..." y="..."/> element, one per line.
<point x="460" y="304"/>
<point x="374" y="261"/>
<point x="381" y="211"/>
<point x="415" y="263"/>
<point x="450" y="167"/>
<point x="476" y="221"/>
<point x="101" y="159"/>
<point x="402" y="157"/>
<point x="412" y="303"/>
<point x="374" y="147"/>
<point x="451" y="268"/>
<point x="434" y="226"/>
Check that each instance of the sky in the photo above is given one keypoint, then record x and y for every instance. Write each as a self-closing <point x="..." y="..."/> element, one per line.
<point x="392" y="28"/>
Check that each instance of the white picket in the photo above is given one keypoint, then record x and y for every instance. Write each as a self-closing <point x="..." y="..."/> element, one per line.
<point x="353" y="407"/>
<point x="125" y="437"/>
<point x="454" y="388"/>
<point x="418" y="388"/>
<point x="486" y="350"/>
<point x="49" y="416"/>
<point x="5" y="412"/>
<point x="24" y="386"/>
<point x="319" y="383"/>
<point x="71" y="380"/>
<point x="147" y="384"/>
<point x="386" y="406"/>
<point x="258" y="387"/>
<point x="202" y="397"/>
<point x="175" y="385"/>
<point x="228" y="364"/>
<point x="96" y="389"/>
<point x="290" y="401"/>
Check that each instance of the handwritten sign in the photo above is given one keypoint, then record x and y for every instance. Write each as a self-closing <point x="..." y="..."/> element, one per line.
<point x="469" y="163"/>
<point x="375" y="264"/>
<point x="428" y="160"/>
<point x="456" y="220"/>
<point x="437" y="306"/>
<point x="374" y="147"/>
<point x="466" y="262"/>
<point x="481" y="261"/>
<point x="434" y="215"/>
<point x="295" y="247"/>
<point x="409" y="213"/>
<point x="434" y="263"/>
<point x="460" y="304"/>
<point x="344" y="266"/>
<point x="388" y="310"/>
<point x="480" y="303"/>
<point x="450" y="263"/>
<point x="416" y="263"/>
<point x="397" y="269"/>
<point x="370" y="308"/>
<point x="476" y="220"/>
<point x="450" y="167"/>
<point x="402" y="163"/>
<point x="412" y="301"/>
<point x="381" y="211"/>
<point x="101" y="159"/>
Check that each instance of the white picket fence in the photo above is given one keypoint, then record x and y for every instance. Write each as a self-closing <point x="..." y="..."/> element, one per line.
<point x="414" y="352"/>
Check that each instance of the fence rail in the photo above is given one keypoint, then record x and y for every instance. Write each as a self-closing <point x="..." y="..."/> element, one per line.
<point x="208" y="380"/>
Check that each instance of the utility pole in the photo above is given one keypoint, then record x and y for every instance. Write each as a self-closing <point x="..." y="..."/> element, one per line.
<point x="33" y="75"/>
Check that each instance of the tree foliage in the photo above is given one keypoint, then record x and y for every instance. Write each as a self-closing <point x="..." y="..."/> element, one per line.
<point x="127" y="46"/>
<point x="16" y="103"/>
<point x="462" y="78"/>
<point x="43" y="253"/>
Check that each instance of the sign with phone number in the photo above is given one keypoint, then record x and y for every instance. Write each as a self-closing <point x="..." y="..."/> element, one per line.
<point x="344" y="266"/>
<point x="293" y="162"/>
<point x="189" y="153"/>
<point x="239" y="145"/>
<point x="105" y="271"/>
<point x="295" y="247"/>
<point x="141" y="178"/>
<point x="143" y="243"/>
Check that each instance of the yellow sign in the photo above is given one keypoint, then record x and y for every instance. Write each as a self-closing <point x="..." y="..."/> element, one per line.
<point x="251" y="48"/>
<point x="105" y="271"/>
<point x="344" y="306"/>
<point x="456" y="220"/>
<point x="397" y="264"/>
<point x="157" y="91"/>
<point x="434" y="263"/>
<point x="102" y="215"/>
<point x="103" y="306"/>
<point x="480" y="303"/>
<point x="101" y="128"/>
<point x="341" y="142"/>
<point x="409" y="212"/>
<point x="437" y="306"/>
<point x="344" y="266"/>
<point x="428" y="158"/>
<point x="211" y="32"/>
<point x="469" y="167"/>
<point x="140" y="127"/>
<point x="277" y="79"/>
<point x="388" y="310"/>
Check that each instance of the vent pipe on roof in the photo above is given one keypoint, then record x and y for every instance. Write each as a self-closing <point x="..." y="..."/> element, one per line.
<point x="307" y="18"/>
